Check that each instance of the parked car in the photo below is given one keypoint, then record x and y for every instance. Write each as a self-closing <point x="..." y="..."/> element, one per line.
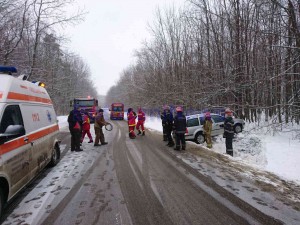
<point x="195" y="126"/>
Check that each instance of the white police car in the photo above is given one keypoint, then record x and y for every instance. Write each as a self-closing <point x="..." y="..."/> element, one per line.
<point x="195" y="126"/>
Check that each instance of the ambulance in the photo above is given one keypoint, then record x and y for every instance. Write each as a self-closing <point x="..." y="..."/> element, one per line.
<point x="28" y="132"/>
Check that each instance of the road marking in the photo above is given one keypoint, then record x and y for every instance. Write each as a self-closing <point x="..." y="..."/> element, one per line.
<point x="134" y="153"/>
<point x="119" y="135"/>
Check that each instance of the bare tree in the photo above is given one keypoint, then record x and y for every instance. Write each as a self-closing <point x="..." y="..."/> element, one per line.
<point x="47" y="15"/>
<point x="237" y="53"/>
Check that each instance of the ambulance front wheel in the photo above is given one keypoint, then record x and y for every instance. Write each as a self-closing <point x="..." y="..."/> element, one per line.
<point x="55" y="155"/>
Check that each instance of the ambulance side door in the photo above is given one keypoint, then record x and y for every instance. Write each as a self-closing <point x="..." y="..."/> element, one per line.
<point x="33" y="119"/>
<point x="15" y="148"/>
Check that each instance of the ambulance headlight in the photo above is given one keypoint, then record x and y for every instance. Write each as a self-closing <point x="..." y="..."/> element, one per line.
<point x="39" y="83"/>
<point x="42" y="84"/>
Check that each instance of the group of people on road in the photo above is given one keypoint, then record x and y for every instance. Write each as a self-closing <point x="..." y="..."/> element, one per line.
<point x="176" y="124"/>
<point x="131" y="118"/>
<point x="79" y="126"/>
<point x="170" y="123"/>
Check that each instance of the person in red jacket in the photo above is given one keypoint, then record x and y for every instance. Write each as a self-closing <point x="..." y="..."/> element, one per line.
<point x="86" y="127"/>
<point x="131" y="115"/>
<point x="141" y="121"/>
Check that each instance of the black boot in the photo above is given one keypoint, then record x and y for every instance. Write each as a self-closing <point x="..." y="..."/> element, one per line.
<point x="171" y="144"/>
<point x="143" y="134"/>
<point x="139" y="132"/>
<point x="183" y="147"/>
<point x="177" y="148"/>
<point x="229" y="152"/>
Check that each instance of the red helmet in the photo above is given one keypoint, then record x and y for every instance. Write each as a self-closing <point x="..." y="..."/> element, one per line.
<point x="207" y="114"/>
<point x="228" y="112"/>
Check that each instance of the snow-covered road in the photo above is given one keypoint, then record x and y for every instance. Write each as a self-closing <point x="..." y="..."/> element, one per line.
<point x="59" y="197"/>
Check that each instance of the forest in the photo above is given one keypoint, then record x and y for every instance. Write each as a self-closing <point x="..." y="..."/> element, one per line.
<point x="242" y="54"/>
<point x="32" y="41"/>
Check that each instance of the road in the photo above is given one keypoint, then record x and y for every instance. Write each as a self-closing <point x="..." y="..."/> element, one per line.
<point x="143" y="182"/>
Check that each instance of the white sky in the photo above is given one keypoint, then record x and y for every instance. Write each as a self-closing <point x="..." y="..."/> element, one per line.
<point x="112" y="30"/>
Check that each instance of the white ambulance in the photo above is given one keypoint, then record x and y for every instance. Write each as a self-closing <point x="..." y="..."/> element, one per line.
<point x="28" y="133"/>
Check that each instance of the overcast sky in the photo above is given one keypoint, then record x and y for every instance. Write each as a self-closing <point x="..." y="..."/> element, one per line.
<point x="112" y="30"/>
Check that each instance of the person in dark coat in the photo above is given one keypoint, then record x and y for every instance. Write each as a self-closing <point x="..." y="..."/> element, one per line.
<point x="179" y="128"/>
<point x="168" y="117"/>
<point x="75" y="127"/>
<point x="228" y="131"/>
<point x="163" y="123"/>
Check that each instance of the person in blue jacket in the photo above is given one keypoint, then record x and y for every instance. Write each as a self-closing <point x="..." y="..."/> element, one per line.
<point x="163" y="123"/>
<point x="179" y="128"/>
<point x="75" y="127"/>
<point x="168" y="119"/>
<point x="228" y="131"/>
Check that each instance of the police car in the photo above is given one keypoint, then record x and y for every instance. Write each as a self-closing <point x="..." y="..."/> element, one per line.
<point x="195" y="123"/>
<point x="28" y="132"/>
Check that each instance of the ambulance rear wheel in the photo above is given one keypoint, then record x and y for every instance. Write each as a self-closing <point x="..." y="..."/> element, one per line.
<point x="55" y="156"/>
<point x="1" y="202"/>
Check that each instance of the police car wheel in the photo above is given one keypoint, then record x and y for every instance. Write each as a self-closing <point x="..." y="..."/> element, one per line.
<point x="238" y="128"/>
<point x="199" y="139"/>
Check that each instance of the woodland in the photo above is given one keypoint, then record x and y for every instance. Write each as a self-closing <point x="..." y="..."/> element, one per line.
<point x="242" y="54"/>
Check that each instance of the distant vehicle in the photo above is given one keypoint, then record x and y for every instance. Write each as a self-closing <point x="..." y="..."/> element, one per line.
<point x="28" y="132"/>
<point x="89" y="105"/>
<point x="117" y="111"/>
<point x="195" y="126"/>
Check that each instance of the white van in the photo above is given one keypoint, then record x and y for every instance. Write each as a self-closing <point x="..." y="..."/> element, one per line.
<point x="28" y="133"/>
